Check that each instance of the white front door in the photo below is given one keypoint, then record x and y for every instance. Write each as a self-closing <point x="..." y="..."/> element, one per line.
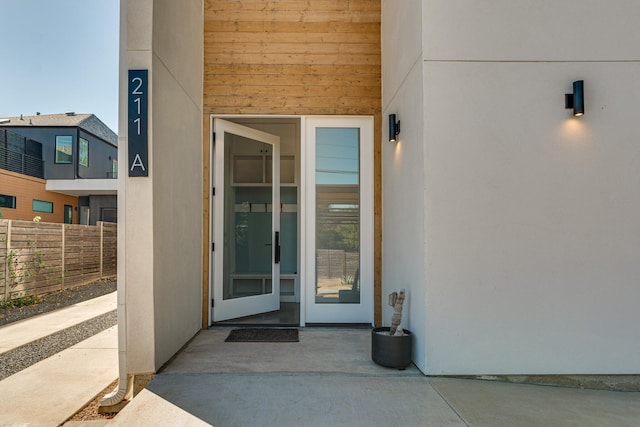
<point x="245" y="221"/>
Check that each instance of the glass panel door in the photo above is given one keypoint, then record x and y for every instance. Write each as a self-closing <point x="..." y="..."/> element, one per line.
<point x="337" y="216"/>
<point x="339" y="200"/>
<point x="68" y="214"/>
<point x="246" y="233"/>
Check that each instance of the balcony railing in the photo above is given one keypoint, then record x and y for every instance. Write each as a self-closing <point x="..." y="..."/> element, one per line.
<point x="21" y="163"/>
<point x="24" y="155"/>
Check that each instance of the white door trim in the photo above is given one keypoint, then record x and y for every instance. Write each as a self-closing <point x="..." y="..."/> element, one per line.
<point x="307" y="173"/>
<point x="238" y="307"/>
<point x="340" y="313"/>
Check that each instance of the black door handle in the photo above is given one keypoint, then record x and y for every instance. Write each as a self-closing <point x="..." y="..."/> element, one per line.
<point x="277" y="251"/>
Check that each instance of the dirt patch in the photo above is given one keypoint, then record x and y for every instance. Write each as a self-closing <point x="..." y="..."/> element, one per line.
<point x="90" y="411"/>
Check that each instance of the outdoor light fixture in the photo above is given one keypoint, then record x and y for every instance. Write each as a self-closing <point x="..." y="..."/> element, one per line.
<point x="575" y="100"/>
<point x="394" y="128"/>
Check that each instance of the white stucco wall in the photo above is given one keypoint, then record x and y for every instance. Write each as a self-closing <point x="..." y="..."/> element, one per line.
<point x="403" y="240"/>
<point x="177" y="201"/>
<point x="135" y="209"/>
<point x="163" y="212"/>
<point x="531" y="215"/>
<point x="531" y="220"/>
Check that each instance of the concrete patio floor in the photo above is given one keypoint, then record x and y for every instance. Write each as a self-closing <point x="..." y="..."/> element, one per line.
<point x="328" y="379"/>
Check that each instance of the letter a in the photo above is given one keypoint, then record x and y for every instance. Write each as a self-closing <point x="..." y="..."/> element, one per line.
<point x="137" y="162"/>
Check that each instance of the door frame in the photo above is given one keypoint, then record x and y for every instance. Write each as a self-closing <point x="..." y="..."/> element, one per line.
<point x="362" y="312"/>
<point x="368" y="120"/>
<point x="247" y="305"/>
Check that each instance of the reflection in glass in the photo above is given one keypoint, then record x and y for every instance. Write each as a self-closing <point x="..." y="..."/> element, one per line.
<point x="64" y="149"/>
<point x="247" y="222"/>
<point x="337" y="215"/>
<point x="83" y="156"/>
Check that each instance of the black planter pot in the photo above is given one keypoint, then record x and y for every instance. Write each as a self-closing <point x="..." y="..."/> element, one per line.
<point x="391" y="351"/>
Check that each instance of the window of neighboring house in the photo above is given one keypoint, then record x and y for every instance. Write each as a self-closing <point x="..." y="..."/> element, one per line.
<point x="114" y="167"/>
<point x="41" y="206"/>
<point x="7" y="201"/>
<point x="68" y="214"/>
<point x="83" y="156"/>
<point x="64" y="149"/>
<point x="84" y="215"/>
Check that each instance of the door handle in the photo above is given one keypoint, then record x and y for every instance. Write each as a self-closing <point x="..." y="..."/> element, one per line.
<point x="277" y="251"/>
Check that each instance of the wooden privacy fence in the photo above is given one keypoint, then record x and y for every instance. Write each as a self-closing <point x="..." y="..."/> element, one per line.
<point x="40" y="257"/>
<point x="331" y="263"/>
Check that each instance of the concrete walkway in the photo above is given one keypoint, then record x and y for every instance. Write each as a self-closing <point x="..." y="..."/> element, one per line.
<point x="52" y="390"/>
<point x="328" y="379"/>
<point x="25" y="331"/>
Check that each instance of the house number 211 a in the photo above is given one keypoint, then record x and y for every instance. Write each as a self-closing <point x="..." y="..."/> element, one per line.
<point x="138" y="120"/>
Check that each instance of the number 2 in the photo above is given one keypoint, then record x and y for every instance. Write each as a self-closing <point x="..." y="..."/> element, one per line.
<point x="137" y="91"/>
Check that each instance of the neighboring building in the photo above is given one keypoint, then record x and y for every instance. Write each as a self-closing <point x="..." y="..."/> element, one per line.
<point x="512" y="224"/>
<point x="77" y="156"/>
<point x="24" y="197"/>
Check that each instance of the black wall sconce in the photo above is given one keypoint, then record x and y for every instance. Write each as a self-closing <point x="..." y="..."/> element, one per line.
<point x="394" y="128"/>
<point x="575" y="100"/>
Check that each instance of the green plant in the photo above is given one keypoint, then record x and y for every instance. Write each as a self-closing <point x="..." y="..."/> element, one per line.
<point x="12" y="263"/>
<point x="55" y="273"/>
<point x="19" y="271"/>
<point x="36" y="257"/>
<point x="19" y="301"/>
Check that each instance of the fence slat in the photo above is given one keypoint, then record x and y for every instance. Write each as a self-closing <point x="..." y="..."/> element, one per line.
<point x="37" y="258"/>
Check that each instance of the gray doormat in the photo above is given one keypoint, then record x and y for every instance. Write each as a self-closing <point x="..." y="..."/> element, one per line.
<point x="263" y="335"/>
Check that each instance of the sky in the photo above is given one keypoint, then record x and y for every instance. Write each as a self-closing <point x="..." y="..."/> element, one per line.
<point x="58" y="56"/>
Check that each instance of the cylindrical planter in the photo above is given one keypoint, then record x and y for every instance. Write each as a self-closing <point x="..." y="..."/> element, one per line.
<point x="391" y="351"/>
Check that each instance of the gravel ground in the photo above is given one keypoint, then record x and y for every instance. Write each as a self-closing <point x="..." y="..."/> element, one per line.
<point x="24" y="356"/>
<point x="56" y="300"/>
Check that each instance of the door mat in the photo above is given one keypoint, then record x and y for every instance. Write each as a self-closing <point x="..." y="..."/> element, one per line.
<point x="263" y="335"/>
